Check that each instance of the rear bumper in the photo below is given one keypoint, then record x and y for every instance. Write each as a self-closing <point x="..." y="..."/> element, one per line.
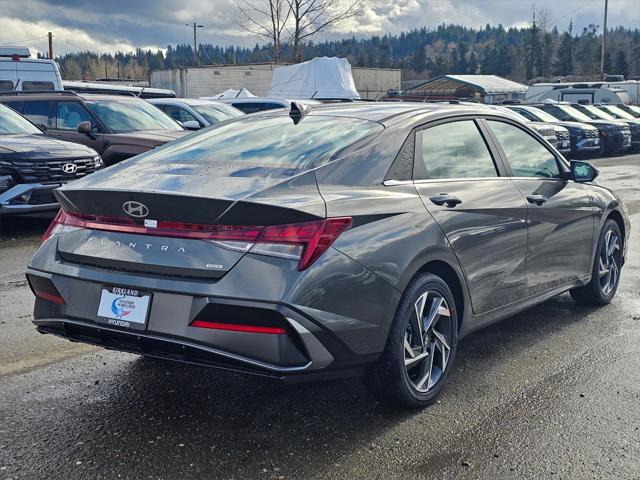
<point x="168" y="331"/>
<point x="29" y="198"/>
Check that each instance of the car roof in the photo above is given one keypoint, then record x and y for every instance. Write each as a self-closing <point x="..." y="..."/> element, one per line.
<point x="384" y="112"/>
<point x="185" y="101"/>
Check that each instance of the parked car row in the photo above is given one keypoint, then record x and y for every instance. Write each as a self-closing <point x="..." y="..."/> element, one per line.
<point x="48" y="138"/>
<point x="117" y="127"/>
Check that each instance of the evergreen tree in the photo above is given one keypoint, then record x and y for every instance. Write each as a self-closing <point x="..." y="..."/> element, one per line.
<point x="419" y="63"/>
<point x="620" y="64"/>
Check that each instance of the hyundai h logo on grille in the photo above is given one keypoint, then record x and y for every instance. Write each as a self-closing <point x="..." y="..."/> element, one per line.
<point x="135" y="209"/>
<point x="69" y="168"/>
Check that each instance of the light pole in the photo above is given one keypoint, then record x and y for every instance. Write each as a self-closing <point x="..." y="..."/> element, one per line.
<point x="195" y="41"/>
<point x="604" y="40"/>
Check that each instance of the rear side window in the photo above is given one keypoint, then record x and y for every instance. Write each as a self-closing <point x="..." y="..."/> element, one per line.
<point x="37" y="86"/>
<point x="37" y="112"/>
<point x="6" y="85"/>
<point x="526" y="155"/>
<point x="271" y="146"/>
<point x="252" y="107"/>
<point x="455" y="150"/>
<point x="70" y="114"/>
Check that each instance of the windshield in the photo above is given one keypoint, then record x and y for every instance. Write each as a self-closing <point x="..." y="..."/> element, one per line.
<point x="269" y="144"/>
<point x="596" y="113"/>
<point x="573" y="113"/>
<point x="618" y="112"/>
<point x="215" y="113"/>
<point x="542" y="115"/>
<point x="12" y="123"/>
<point x="634" y="108"/>
<point x="131" y="115"/>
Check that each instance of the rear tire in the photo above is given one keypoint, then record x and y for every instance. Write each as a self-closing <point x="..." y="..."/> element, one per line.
<point x="607" y="266"/>
<point x="421" y="346"/>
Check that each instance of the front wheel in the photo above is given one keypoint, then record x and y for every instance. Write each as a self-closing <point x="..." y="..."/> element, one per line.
<point x="607" y="265"/>
<point x="421" y="346"/>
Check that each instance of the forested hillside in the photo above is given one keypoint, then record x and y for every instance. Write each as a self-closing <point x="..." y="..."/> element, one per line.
<point x="520" y="54"/>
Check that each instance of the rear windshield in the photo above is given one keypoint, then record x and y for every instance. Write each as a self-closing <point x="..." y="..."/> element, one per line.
<point x="271" y="142"/>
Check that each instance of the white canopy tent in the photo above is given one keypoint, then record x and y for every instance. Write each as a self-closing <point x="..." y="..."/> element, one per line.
<point x="322" y="77"/>
<point x="231" y="93"/>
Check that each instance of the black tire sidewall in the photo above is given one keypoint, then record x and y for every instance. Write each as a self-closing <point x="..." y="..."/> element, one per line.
<point x="595" y="274"/>
<point x="414" y="290"/>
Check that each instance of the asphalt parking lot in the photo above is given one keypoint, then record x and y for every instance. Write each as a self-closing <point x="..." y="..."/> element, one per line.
<point x="551" y="393"/>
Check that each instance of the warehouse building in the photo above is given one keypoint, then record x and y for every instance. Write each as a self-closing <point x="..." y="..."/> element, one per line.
<point x="482" y="88"/>
<point x="193" y="82"/>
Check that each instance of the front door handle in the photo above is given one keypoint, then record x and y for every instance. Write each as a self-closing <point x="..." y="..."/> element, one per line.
<point x="445" y="199"/>
<point x="537" y="199"/>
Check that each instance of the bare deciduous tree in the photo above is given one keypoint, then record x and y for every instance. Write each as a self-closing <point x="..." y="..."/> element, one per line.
<point x="265" y="18"/>
<point x="311" y="16"/>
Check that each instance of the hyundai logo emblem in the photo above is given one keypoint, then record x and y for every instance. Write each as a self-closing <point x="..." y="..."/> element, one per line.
<point x="135" y="209"/>
<point x="69" y="168"/>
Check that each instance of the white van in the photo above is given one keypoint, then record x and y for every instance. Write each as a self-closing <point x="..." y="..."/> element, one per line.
<point x="19" y="72"/>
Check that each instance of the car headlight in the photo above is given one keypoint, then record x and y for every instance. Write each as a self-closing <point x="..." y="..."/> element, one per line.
<point x="6" y="182"/>
<point x="97" y="162"/>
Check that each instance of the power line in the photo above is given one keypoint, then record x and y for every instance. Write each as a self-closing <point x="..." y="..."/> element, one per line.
<point x="24" y="40"/>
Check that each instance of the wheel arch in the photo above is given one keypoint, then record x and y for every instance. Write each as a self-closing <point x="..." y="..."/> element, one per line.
<point x="454" y="280"/>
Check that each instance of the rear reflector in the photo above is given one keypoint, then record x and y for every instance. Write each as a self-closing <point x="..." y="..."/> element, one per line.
<point x="58" y="300"/>
<point x="304" y="242"/>
<point x="235" y="327"/>
<point x="44" y="288"/>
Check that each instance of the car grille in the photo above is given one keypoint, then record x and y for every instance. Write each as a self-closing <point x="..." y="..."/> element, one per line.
<point x="591" y="134"/>
<point x="562" y="135"/>
<point x="50" y="170"/>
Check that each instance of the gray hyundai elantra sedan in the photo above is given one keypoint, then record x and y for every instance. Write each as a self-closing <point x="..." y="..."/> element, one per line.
<point x="325" y="242"/>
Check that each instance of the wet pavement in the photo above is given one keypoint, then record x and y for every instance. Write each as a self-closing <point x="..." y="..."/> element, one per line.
<point x="553" y="392"/>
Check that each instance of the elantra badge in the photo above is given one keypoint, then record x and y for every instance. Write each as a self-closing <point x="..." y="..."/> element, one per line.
<point x="69" y="168"/>
<point x="135" y="209"/>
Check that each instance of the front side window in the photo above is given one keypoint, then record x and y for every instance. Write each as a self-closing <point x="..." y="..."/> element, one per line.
<point x="526" y="155"/>
<point x="455" y="150"/>
<point x="70" y="114"/>
<point x="122" y="116"/>
<point x="37" y="112"/>
<point x="11" y="123"/>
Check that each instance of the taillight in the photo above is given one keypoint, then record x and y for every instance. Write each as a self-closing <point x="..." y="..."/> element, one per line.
<point x="304" y="242"/>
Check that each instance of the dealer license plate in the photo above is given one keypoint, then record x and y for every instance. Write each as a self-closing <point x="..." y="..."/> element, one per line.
<point x="124" y="307"/>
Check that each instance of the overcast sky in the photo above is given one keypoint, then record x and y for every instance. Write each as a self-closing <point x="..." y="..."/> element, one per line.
<point x="111" y="25"/>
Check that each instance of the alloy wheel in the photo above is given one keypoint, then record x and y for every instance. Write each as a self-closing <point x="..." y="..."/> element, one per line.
<point x="427" y="341"/>
<point x="609" y="262"/>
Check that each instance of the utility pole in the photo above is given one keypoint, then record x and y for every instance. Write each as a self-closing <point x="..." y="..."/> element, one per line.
<point x="50" y="35"/>
<point x="604" y="39"/>
<point x="195" y="41"/>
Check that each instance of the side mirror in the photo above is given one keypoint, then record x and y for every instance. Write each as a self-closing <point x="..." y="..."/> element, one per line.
<point x="84" y="127"/>
<point x="583" y="172"/>
<point x="191" y="125"/>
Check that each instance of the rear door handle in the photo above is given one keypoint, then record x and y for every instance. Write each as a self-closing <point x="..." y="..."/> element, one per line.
<point x="445" y="199"/>
<point x="537" y="199"/>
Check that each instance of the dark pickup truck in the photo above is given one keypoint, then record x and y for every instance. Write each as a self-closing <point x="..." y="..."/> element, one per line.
<point x="116" y="126"/>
